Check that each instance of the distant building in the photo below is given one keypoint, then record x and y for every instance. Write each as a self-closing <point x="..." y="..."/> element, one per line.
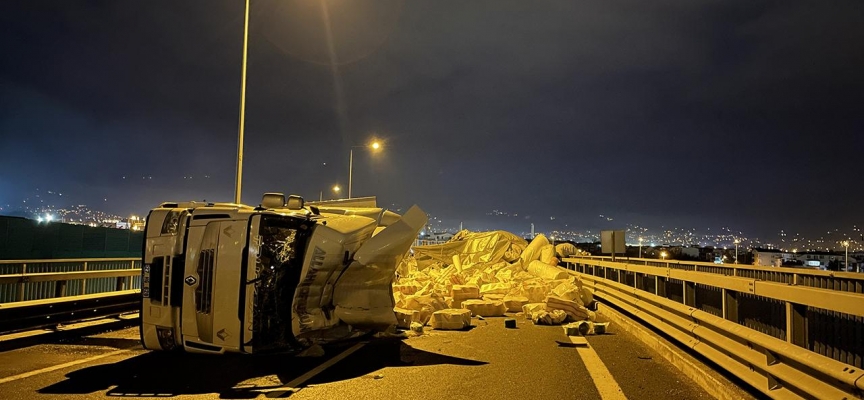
<point x="707" y="254"/>
<point x="685" y="253"/>
<point x="820" y="259"/>
<point x="441" y="236"/>
<point x="431" y="238"/>
<point x="856" y="261"/>
<point x="771" y="257"/>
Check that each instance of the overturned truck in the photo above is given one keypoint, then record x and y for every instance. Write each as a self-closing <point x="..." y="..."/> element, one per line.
<point x="222" y="277"/>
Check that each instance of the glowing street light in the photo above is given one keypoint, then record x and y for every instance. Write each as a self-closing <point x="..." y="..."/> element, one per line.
<point x="374" y="146"/>
<point x="845" y="244"/>
<point x="640" y="246"/>
<point x="335" y="189"/>
<point x="663" y="255"/>
<point x="736" y="250"/>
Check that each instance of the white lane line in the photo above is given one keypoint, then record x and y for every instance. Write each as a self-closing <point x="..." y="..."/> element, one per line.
<point x="603" y="380"/>
<point x="327" y="364"/>
<point x="61" y="366"/>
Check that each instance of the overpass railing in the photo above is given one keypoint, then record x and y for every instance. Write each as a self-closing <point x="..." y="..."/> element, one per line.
<point x="48" y="293"/>
<point x="27" y="280"/>
<point x="789" y="332"/>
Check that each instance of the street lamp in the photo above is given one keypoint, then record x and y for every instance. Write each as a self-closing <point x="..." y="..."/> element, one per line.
<point x="336" y="190"/>
<point x="663" y="255"/>
<point x="736" y="250"/>
<point x="640" y="246"/>
<point x="375" y="146"/>
<point x="239" y="179"/>
<point x="845" y="244"/>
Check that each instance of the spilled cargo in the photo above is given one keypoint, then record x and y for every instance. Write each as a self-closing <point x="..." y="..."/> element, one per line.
<point x="490" y="274"/>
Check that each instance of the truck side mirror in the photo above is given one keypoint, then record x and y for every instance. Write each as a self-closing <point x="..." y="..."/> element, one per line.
<point x="295" y="202"/>
<point x="273" y="200"/>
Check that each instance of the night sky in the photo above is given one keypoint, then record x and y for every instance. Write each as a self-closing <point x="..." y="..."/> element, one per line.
<point x="744" y="114"/>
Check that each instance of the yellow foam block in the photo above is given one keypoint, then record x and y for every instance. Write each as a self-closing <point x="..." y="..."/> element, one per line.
<point x="485" y="308"/>
<point x="451" y="319"/>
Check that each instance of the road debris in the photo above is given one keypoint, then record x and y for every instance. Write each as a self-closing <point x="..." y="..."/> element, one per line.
<point x="485" y="308"/>
<point x="489" y="274"/>
<point x="583" y="328"/>
<point x="600" y="328"/>
<point x="451" y="318"/>
<point x="313" y="351"/>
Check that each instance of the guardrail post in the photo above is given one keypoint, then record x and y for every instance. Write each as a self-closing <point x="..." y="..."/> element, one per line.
<point x="84" y="281"/>
<point x="730" y="305"/>
<point x="60" y="289"/>
<point x="21" y="283"/>
<point x="127" y="281"/>
<point x="689" y="294"/>
<point x="796" y="324"/>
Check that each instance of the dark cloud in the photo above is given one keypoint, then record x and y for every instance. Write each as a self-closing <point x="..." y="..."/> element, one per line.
<point x="674" y="113"/>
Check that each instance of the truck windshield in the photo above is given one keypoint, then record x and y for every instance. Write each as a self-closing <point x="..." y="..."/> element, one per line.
<point x="278" y="267"/>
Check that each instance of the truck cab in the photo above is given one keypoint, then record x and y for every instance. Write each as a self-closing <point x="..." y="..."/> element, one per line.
<point x="222" y="277"/>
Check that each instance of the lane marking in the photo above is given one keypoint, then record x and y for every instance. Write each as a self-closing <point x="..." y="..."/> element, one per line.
<point x="327" y="364"/>
<point x="603" y="380"/>
<point x="61" y="366"/>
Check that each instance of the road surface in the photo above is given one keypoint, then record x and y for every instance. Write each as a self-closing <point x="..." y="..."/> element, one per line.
<point x="488" y="361"/>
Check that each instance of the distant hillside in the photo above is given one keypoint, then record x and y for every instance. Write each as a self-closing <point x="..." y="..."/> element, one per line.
<point x="23" y="239"/>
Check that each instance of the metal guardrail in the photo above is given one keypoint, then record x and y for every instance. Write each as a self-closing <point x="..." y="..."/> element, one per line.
<point x="791" y="333"/>
<point x="26" y="315"/>
<point x="24" y="280"/>
<point x="834" y="280"/>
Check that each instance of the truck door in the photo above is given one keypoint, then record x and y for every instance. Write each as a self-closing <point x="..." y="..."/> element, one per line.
<point x="210" y="317"/>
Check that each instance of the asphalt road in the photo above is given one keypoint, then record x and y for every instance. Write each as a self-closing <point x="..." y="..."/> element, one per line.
<point x="487" y="361"/>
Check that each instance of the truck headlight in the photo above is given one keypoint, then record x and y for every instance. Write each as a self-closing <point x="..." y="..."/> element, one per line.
<point x="172" y="220"/>
<point x="166" y="338"/>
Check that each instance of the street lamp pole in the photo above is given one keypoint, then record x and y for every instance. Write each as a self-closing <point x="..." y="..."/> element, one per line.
<point x="736" y="250"/>
<point x="374" y="146"/>
<point x="238" y="182"/>
<point x="846" y="263"/>
<point x="350" y="170"/>
<point x="640" y="247"/>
